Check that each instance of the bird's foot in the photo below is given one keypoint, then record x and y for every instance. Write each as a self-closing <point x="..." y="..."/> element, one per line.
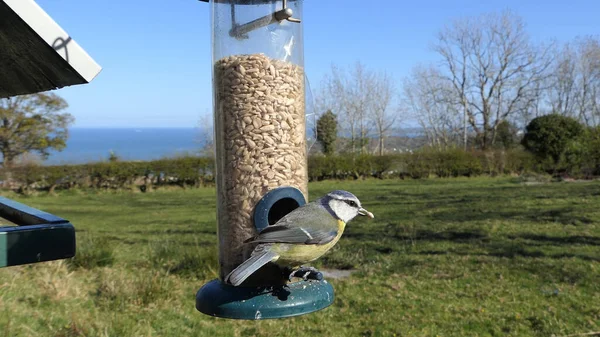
<point x="306" y="273"/>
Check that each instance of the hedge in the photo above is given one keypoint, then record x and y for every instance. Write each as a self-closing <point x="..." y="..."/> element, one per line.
<point x="184" y="172"/>
<point x="198" y="171"/>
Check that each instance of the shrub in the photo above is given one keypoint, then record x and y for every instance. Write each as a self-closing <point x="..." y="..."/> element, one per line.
<point x="183" y="171"/>
<point x="506" y="135"/>
<point x="419" y="164"/>
<point x="517" y="161"/>
<point x="456" y="163"/>
<point x="327" y="132"/>
<point x="581" y="157"/>
<point x="443" y="163"/>
<point x="549" y="136"/>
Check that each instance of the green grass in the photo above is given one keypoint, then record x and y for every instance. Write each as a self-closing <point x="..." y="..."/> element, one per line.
<point x="443" y="257"/>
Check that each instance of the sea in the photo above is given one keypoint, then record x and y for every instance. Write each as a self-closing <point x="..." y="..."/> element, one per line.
<point x="86" y="145"/>
<point x="96" y="144"/>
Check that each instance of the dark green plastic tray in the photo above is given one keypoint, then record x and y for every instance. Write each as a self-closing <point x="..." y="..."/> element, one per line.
<point x="255" y="303"/>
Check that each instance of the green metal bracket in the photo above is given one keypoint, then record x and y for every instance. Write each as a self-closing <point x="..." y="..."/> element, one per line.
<point x="38" y="236"/>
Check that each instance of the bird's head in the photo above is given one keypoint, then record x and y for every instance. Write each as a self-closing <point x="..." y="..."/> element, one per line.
<point x="345" y="205"/>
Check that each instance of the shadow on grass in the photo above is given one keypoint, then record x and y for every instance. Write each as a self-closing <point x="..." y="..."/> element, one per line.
<point x="511" y="246"/>
<point x="559" y="240"/>
<point x="513" y="250"/>
<point x="151" y="239"/>
<point x="404" y="233"/>
<point x="565" y="216"/>
<point x="171" y="231"/>
<point x="549" y="267"/>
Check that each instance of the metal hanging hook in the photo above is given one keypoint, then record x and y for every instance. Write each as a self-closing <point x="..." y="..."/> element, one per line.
<point x="288" y="13"/>
<point x="241" y="31"/>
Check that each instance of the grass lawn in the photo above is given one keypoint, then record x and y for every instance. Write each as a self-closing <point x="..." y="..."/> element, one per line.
<point x="443" y="257"/>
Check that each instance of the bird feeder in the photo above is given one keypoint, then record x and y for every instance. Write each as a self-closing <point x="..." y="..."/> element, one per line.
<point x="260" y="122"/>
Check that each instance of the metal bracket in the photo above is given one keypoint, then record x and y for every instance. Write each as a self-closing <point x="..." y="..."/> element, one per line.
<point x="38" y="236"/>
<point x="241" y="31"/>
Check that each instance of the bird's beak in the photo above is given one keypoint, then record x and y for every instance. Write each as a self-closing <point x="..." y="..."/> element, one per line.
<point x="363" y="211"/>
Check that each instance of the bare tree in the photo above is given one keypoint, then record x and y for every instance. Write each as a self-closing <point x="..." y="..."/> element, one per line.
<point x="575" y="89"/>
<point x="362" y="92"/>
<point x="453" y="46"/>
<point x="493" y="68"/>
<point x="431" y="101"/>
<point x="562" y="91"/>
<point x="588" y="102"/>
<point x="205" y="135"/>
<point x="536" y="108"/>
<point x="384" y="115"/>
<point x="350" y="96"/>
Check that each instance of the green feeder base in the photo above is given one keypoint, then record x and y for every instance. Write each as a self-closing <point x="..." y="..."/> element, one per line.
<point x="252" y="303"/>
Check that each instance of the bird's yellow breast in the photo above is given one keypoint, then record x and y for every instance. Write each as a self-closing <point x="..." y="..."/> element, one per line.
<point x="296" y="255"/>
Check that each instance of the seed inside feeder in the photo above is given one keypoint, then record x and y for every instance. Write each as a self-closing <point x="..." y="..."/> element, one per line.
<point x="260" y="131"/>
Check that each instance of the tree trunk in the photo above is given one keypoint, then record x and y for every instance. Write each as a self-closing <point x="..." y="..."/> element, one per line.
<point x="484" y="139"/>
<point x="363" y="135"/>
<point x="361" y="139"/>
<point x="465" y="123"/>
<point x="352" y="139"/>
<point x="7" y="165"/>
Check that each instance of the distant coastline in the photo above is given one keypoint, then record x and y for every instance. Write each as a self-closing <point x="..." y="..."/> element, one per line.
<point x="89" y="144"/>
<point x="93" y="144"/>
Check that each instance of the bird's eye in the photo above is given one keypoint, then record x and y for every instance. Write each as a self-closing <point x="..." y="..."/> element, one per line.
<point x="351" y="203"/>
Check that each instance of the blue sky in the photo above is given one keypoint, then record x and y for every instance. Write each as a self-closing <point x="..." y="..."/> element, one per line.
<point x="156" y="55"/>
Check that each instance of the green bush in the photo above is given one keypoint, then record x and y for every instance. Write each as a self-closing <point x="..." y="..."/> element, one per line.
<point x="419" y="164"/>
<point x="506" y="135"/>
<point x="517" y="161"/>
<point x="443" y="163"/>
<point x="581" y="157"/>
<point x="456" y="163"/>
<point x="549" y="136"/>
<point x="327" y="132"/>
<point x="350" y="167"/>
<point x="563" y="147"/>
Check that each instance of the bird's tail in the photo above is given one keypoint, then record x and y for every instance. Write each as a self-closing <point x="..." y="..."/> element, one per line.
<point x="248" y="267"/>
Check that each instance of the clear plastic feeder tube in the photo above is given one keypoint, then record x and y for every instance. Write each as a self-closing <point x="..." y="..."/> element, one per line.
<point x="259" y="112"/>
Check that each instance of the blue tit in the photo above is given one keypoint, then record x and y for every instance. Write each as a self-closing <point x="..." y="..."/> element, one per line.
<point x="301" y="236"/>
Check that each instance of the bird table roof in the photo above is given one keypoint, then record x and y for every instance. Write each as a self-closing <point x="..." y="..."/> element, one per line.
<point x="36" y="54"/>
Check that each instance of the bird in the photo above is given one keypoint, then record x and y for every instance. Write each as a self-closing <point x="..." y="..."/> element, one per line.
<point x="301" y="236"/>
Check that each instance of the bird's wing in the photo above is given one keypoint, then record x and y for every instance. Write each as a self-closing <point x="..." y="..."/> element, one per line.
<point x="256" y="261"/>
<point x="312" y="225"/>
